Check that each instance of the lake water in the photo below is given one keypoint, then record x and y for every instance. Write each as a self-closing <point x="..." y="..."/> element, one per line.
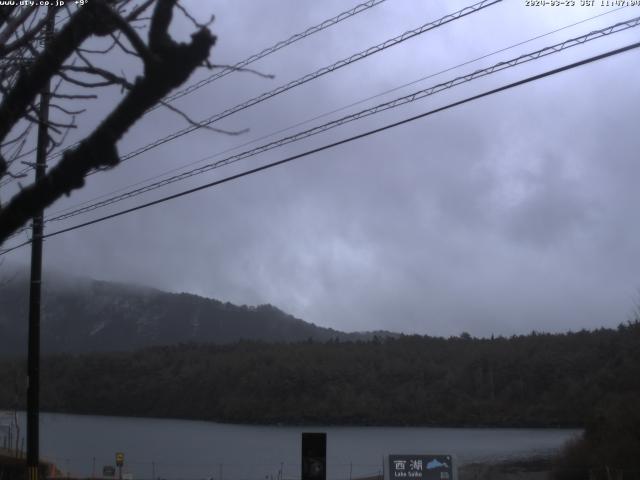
<point x="172" y="449"/>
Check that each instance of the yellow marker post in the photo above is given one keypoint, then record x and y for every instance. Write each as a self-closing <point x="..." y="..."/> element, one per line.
<point x="119" y="463"/>
<point x="32" y="473"/>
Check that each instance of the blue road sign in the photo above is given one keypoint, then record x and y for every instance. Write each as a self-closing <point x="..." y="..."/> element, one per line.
<point x="421" y="467"/>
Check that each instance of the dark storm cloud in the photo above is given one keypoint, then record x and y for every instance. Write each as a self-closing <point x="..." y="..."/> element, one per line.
<point x="502" y="216"/>
<point x="551" y="209"/>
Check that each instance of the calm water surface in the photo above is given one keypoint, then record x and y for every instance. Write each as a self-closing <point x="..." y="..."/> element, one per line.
<point x="158" y="448"/>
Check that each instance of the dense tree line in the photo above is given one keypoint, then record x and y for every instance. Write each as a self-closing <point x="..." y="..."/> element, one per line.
<point x="609" y="446"/>
<point x="532" y="380"/>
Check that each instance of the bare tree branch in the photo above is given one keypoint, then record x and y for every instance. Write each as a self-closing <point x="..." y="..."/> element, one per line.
<point x="5" y="14"/>
<point x="186" y="13"/>
<point x="200" y="125"/>
<point x="136" y="12"/>
<point x="30" y="82"/>
<point x="270" y="76"/>
<point x="14" y="23"/>
<point x="28" y="36"/>
<point x="167" y="65"/>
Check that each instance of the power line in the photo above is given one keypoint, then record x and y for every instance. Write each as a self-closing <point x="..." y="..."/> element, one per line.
<point x="373" y="110"/>
<point x="621" y="26"/>
<point x="317" y="74"/>
<point x="244" y="63"/>
<point x="308" y="77"/>
<point x="320" y="72"/>
<point x="16" y="247"/>
<point x="274" y="48"/>
<point x="317" y="117"/>
<point x="509" y="86"/>
<point x="8" y="179"/>
<point x="359" y="136"/>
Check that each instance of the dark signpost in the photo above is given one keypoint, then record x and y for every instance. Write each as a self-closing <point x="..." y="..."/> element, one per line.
<point x="314" y="456"/>
<point x="421" y="467"/>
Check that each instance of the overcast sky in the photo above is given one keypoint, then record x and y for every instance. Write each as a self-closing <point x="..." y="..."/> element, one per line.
<point x="506" y="215"/>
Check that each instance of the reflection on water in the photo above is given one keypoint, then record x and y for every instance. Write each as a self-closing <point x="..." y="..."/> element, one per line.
<point x="155" y="448"/>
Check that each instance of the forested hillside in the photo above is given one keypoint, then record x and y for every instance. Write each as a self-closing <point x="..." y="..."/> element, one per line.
<point x="82" y="315"/>
<point x="534" y="380"/>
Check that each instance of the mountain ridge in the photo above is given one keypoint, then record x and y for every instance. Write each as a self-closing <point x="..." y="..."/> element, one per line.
<point x="84" y="315"/>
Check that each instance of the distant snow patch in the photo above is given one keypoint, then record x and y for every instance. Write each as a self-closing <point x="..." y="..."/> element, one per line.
<point x="97" y="328"/>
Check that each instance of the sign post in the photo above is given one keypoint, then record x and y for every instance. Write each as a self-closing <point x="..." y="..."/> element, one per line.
<point x="421" y="467"/>
<point x="314" y="456"/>
<point x="119" y="463"/>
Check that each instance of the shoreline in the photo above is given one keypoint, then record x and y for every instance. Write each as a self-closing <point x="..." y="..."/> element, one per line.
<point x="533" y="468"/>
<point x="504" y="426"/>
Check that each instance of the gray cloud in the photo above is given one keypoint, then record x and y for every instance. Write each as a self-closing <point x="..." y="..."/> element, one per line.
<point x="506" y="215"/>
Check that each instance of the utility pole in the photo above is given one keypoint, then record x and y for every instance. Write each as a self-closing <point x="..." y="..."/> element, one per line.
<point x="33" y="362"/>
